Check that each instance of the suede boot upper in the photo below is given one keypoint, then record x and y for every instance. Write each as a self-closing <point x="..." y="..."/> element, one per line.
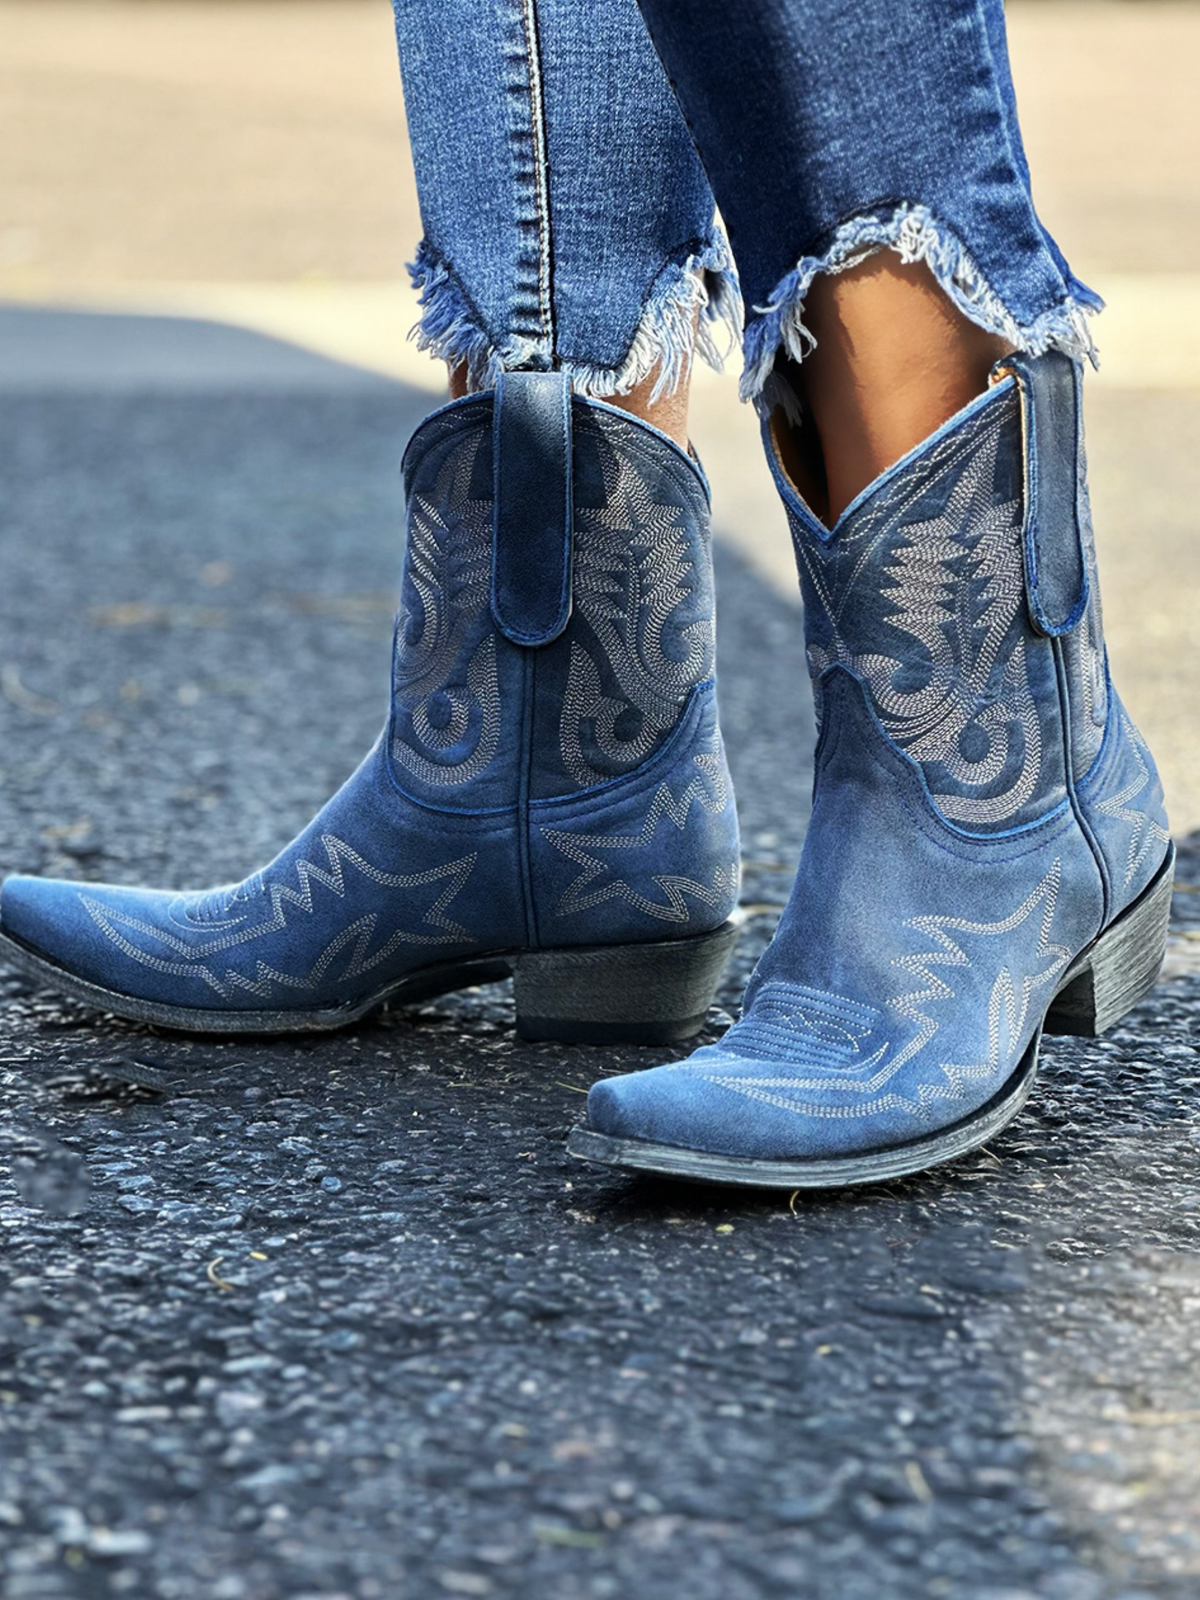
<point x="551" y="774"/>
<point x="983" y="806"/>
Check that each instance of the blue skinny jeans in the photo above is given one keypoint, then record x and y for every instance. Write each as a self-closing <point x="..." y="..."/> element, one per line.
<point x="571" y="156"/>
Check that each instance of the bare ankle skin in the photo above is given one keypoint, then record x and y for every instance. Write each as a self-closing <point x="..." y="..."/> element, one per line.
<point x="894" y="359"/>
<point x="669" y="414"/>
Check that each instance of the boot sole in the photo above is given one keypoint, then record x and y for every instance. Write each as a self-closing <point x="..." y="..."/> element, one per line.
<point x="655" y="993"/>
<point x="1112" y="975"/>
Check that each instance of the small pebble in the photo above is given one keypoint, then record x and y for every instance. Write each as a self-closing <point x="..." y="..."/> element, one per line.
<point x="118" y="1542"/>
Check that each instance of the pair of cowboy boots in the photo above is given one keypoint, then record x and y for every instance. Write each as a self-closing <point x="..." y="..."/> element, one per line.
<point x="988" y="856"/>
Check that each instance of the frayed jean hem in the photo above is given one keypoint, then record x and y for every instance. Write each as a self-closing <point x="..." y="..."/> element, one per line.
<point x="687" y="302"/>
<point x="915" y="235"/>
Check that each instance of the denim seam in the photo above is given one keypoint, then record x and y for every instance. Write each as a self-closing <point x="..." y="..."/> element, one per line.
<point x="1062" y="680"/>
<point x="541" y="168"/>
<point x="529" y="664"/>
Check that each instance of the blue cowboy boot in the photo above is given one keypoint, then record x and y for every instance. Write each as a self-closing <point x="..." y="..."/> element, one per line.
<point x="549" y="798"/>
<point x="988" y="856"/>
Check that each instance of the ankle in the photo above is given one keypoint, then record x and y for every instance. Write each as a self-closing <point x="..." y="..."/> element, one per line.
<point x="669" y="413"/>
<point x="894" y="360"/>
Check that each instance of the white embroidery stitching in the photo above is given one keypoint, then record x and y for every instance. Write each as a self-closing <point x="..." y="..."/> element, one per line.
<point x="1009" y="1010"/>
<point x="634" y="569"/>
<point x="448" y="565"/>
<point x="283" y="896"/>
<point x="709" y="790"/>
<point x="956" y="586"/>
<point x="1146" y="830"/>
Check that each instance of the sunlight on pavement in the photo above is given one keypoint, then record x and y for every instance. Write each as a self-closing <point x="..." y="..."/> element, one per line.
<point x="1149" y="334"/>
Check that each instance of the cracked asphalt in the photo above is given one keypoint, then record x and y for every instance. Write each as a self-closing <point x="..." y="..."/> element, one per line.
<point x="337" y="1316"/>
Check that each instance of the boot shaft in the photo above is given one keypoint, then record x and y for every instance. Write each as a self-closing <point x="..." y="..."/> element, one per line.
<point x="557" y="601"/>
<point x="960" y="592"/>
<point x="555" y="659"/>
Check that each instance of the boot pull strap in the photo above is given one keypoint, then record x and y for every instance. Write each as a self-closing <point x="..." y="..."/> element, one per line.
<point x="1056" y="568"/>
<point x="531" y="529"/>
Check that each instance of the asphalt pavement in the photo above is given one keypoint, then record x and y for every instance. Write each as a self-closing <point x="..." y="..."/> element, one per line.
<point x="337" y="1316"/>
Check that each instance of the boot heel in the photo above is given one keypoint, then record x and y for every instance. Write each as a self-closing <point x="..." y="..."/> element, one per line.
<point x="621" y="994"/>
<point x="1121" y="967"/>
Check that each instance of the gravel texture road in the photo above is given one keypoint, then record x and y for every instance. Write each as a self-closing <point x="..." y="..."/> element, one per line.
<point x="338" y="1317"/>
